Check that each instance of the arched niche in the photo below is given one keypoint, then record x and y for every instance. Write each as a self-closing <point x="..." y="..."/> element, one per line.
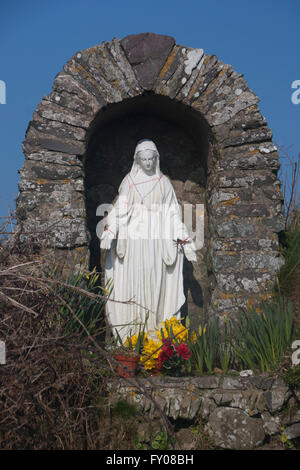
<point x="183" y="140"/>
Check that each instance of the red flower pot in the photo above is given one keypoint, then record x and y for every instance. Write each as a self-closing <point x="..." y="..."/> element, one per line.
<point x="126" y="365"/>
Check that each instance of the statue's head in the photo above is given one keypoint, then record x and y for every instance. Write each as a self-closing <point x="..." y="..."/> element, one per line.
<point x="146" y="155"/>
<point x="146" y="159"/>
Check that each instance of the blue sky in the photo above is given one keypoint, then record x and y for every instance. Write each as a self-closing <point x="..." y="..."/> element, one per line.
<point x="259" y="38"/>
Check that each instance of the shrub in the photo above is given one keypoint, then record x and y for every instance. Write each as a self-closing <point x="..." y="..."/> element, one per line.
<point x="292" y="377"/>
<point x="78" y="294"/>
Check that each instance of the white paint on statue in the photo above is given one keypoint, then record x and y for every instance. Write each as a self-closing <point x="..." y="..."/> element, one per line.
<point x="143" y="259"/>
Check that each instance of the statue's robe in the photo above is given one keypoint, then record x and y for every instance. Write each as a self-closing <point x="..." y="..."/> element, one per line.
<point x="144" y="261"/>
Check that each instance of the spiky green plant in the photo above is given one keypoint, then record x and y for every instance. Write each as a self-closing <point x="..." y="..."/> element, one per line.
<point x="224" y="348"/>
<point x="210" y="344"/>
<point x="78" y="310"/>
<point x="197" y="349"/>
<point x="203" y="344"/>
<point x="261" y="337"/>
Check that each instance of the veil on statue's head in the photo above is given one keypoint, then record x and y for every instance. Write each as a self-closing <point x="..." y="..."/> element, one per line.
<point x="144" y="144"/>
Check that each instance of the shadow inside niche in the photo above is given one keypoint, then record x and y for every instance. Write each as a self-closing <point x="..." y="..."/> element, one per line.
<point x="192" y="286"/>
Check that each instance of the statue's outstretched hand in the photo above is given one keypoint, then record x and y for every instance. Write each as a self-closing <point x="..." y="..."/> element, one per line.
<point x="105" y="244"/>
<point x="190" y="254"/>
<point x="106" y="239"/>
<point x="189" y="251"/>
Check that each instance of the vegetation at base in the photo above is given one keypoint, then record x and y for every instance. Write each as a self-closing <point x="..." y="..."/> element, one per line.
<point x="87" y="309"/>
<point x="53" y="387"/>
<point x="160" y="441"/>
<point x="262" y="338"/>
<point x="285" y="441"/>
<point x="155" y="440"/>
<point x="124" y="409"/>
<point x="257" y="339"/>
<point x="292" y="377"/>
<point x="289" y="274"/>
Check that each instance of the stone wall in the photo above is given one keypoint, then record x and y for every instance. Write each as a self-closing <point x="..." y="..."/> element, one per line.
<point x="214" y="144"/>
<point x="238" y="412"/>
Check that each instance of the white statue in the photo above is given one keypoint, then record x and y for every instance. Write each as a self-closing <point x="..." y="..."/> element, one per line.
<point x="143" y="236"/>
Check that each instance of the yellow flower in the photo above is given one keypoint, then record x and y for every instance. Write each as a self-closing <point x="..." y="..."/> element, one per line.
<point x="132" y="340"/>
<point x="150" y="353"/>
<point x="193" y="337"/>
<point x="152" y="348"/>
<point x="180" y="331"/>
<point x="201" y="330"/>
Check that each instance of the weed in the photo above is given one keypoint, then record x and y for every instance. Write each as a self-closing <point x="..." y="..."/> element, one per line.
<point x="124" y="409"/>
<point x="160" y="441"/>
<point x="292" y="377"/>
<point x="285" y="440"/>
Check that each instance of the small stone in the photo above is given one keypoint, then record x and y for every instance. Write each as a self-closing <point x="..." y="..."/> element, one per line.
<point x="206" y="382"/>
<point x="246" y="373"/>
<point x="271" y="424"/>
<point x="238" y="91"/>
<point x="276" y="398"/>
<point x="293" y="431"/>
<point x="276" y="224"/>
<point x="232" y="428"/>
<point x="186" y="439"/>
<point x="147" y="53"/>
<point x="207" y="406"/>
<point x="232" y="383"/>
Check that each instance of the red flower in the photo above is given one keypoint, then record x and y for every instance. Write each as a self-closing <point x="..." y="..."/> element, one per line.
<point x="166" y="351"/>
<point x="183" y="350"/>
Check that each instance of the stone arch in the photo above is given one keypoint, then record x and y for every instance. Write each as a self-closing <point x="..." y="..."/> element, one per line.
<point x="151" y="72"/>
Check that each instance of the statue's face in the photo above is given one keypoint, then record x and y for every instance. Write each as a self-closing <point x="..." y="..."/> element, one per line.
<point x="147" y="159"/>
